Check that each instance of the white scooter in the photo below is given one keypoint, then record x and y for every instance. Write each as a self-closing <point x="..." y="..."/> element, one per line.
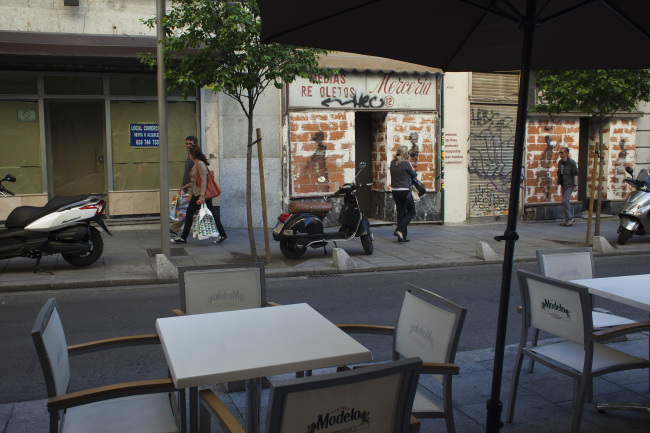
<point x="62" y="226"/>
<point x="634" y="213"/>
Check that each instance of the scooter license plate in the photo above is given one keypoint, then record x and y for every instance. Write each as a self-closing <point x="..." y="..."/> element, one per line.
<point x="278" y="229"/>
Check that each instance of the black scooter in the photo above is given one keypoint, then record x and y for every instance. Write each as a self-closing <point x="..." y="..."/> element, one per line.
<point x="302" y="227"/>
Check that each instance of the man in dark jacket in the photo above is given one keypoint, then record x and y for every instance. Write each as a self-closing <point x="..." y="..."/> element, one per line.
<point x="567" y="175"/>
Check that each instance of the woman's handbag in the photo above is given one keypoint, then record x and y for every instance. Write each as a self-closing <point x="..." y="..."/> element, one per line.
<point x="419" y="186"/>
<point x="212" y="190"/>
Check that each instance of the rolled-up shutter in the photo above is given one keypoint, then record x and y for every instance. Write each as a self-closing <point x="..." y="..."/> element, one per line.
<point x="493" y="116"/>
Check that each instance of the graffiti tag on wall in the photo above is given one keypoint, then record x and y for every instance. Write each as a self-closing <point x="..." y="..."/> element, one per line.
<point x="490" y="159"/>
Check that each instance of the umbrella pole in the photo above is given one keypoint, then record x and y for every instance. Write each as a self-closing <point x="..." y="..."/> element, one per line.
<point x="494" y="406"/>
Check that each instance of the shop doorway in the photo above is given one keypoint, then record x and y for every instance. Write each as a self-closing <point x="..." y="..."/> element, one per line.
<point x="363" y="153"/>
<point x="76" y="152"/>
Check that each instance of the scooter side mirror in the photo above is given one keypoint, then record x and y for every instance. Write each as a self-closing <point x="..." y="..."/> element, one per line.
<point x="629" y="170"/>
<point x="9" y="178"/>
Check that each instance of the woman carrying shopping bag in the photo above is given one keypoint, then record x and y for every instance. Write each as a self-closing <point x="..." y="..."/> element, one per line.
<point x="199" y="175"/>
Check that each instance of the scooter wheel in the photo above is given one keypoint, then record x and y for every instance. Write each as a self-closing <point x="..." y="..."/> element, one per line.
<point x="291" y="250"/>
<point x="624" y="235"/>
<point x="96" y="250"/>
<point x="366" y="242"/>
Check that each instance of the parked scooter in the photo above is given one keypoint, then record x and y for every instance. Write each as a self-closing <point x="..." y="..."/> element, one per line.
<point x="634" y="213"/>
<point x="302" y="227"/>
<point x="61" y="226"/>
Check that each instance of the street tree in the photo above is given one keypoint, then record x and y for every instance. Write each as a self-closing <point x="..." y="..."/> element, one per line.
<point x="216" y="44"/>
<point x="599" y="93"/>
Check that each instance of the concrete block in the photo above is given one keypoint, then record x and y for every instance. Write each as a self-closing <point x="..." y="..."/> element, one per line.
<point x="165" y="270"/>
<point x="342" y="260"/>
<point x="485" y="252"/>
<point x="601" y="245"/>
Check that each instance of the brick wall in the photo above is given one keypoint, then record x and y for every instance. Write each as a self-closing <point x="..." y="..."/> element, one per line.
<point x="333" y="158"/>
<point x="619" y="143"/>
<point x="403" y="129"/>
<point x="543" y="141"/>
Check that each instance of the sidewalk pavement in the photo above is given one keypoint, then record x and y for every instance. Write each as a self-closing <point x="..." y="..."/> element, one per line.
<point x="129" y="256"/>
<point x="544" y="399"/>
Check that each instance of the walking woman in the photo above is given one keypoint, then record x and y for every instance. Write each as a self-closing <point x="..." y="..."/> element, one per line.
<point x="198" y="195"/>
<point x="401" y="174"/>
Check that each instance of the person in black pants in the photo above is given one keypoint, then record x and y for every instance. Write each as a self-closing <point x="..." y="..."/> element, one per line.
<point x="402" y="174"/>
<point x="198" y="176"/>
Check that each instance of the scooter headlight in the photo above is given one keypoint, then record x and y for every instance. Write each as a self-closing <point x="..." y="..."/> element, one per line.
<point x="635" y="210"/>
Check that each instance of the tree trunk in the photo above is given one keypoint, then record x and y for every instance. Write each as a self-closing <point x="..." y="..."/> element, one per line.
<point x="249" y="158"/>
<point x="600" y="177"/>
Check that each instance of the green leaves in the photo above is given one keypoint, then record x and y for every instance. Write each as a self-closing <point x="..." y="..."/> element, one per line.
<point x="217" y="43"/>
<point x="599" y="92"/>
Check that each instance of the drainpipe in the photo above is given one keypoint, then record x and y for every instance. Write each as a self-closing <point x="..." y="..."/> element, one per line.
<point x="441" y="142"/>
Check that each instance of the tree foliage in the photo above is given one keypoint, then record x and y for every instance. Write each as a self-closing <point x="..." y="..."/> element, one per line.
<point x="598" y="93"/>
<point x="216" y="44"/>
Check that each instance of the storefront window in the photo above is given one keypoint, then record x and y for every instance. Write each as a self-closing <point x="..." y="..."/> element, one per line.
<point x="135" y="165"/>
<point x="20" y="153"/>
<point x="18" y="85"/>
<point x="137" y="86"/>
<point x="73" y="85"/>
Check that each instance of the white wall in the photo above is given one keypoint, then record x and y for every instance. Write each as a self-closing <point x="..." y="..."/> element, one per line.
<point x="456" y="118"/>
<point x="109" y="17"/>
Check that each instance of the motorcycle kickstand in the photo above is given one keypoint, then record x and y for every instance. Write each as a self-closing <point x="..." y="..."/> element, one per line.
<point x="37" y="269"/>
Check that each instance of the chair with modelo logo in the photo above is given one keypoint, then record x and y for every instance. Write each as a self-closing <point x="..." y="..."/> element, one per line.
<point x="216" y="288"/>
<point x="375" y="398"/>
<point x="563" y="309"/>
<point x="428" y="327"/>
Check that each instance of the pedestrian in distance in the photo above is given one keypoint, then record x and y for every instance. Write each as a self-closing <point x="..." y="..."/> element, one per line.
<point x="402" y="175"/>
<point x="189" y="142"/>
<point x="197" y="185"/>
<point x="567" y="176"/>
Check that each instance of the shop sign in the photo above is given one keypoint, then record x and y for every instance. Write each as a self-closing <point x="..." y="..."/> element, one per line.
<point x="143" y="135"/>
<point x="365" y="91"/>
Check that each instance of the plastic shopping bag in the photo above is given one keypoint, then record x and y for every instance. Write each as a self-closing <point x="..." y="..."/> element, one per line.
<point x="205" y="224"/>
<point x="178" y="207"/>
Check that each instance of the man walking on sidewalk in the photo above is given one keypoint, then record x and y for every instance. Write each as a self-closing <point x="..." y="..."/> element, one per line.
<point x="567" y="175"/>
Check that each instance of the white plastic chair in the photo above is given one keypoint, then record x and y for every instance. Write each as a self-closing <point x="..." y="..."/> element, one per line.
<point x="143" y="406"/>
<point x="428" y="327"/>
<point x="375" y="399"/>
<point x="563" y="309"/>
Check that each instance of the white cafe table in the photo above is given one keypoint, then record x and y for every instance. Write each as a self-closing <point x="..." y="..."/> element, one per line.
<point x="631" y="290"/>
<point x="206" y="349"/>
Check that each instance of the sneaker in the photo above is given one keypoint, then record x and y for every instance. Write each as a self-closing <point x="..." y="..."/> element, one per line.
<point x="221" y="239"/>
<point x="178" y="241"/>
<point x="563" y="223"/>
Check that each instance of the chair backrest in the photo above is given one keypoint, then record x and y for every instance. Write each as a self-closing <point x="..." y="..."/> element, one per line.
<point x="566" y="263"/>
<point x="378" y="398"/>
<point x="428" y="326"/>
<point x="210" y="289"/>
<point x="52" y="349"/>
<point x="558" y="307"/>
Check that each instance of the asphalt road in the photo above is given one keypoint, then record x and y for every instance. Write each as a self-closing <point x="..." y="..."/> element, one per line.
<point x="90" y="314"/>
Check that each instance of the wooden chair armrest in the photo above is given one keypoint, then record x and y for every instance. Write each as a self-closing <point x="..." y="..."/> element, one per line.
<point x="131" y="340"/>
<point x="619" y="330"/>
<point x="440" y="368"/>
<point x="367" y="329"/>
<point x="178" y="312"/>
<point x="108" y="392"/>
<point x="272" y="304"/>
<point x="414" y="424"/>
<point x="211" y="402"/>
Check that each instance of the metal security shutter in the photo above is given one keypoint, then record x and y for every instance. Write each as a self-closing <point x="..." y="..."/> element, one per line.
<point x="493" y="117"/>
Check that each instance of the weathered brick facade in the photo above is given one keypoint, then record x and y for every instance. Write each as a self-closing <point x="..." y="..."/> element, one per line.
<point x="544" y="139"/>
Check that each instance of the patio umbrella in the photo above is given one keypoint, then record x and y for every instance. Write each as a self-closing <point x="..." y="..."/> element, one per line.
<point x="475" y="35"/>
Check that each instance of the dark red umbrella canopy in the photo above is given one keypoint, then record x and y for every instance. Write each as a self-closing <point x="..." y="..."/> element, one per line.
<point x="475" y="35"/>
<point x="464" y="35"/>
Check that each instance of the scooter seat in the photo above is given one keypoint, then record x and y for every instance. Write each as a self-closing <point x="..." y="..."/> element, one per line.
<point x="300" y="207"/>
<point x="22" y="216"/>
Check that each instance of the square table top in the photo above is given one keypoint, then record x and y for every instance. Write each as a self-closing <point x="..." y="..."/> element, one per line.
<point x="631" y="290"/>
<point x="205" y="349"/>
